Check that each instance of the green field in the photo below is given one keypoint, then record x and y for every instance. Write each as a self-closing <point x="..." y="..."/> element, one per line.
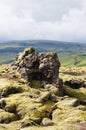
<point x="70" y="54"/>
<point x="73" y="59"/>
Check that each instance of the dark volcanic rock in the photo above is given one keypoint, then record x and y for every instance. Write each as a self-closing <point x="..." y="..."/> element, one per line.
<point x="39" y="66"/>
<point x="2" y="104"/>
<point x="76" y="84"/>
<point x="8" y="90"/>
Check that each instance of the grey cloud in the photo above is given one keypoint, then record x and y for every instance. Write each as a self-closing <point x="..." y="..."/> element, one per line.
<point x="44" y="10"/>
<point x="43" y="19"/>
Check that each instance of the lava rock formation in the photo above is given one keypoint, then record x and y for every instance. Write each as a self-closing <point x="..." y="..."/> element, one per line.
<point x="39" y="66"/>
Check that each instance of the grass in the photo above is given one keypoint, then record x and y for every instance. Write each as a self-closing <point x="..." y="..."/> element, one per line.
<point x="6" y="57"/>
<point x="67" y="52"/>
<point x="72" y="59"/>
<point x="66" y="58"/>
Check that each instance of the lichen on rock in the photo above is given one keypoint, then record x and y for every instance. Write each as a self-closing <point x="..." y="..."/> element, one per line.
<point x="40" y="67"/>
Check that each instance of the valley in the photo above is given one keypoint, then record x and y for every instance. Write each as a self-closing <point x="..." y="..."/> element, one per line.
<point x="70" y="54"/>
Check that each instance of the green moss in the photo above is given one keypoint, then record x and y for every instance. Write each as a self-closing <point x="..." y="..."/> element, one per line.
<point x="11" y="108"/>
<point x="11" y="126"/>
<point x="8" y="87"/>
<point x="24" y="105"/>
<point x="31" y="49"/>
<point x="43" y="111"/>
<point x="52" y="89"/>
<point x="35" y="117"/>
<point x="49" y="53"/>
<point x="41" y="128"/>
<point x="6" y="117"/>
<point x="36" y="83"/>
<point x="77" y="93"/>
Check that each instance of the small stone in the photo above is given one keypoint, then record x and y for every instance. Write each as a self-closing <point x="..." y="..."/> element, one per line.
<point x="74" y="103"/>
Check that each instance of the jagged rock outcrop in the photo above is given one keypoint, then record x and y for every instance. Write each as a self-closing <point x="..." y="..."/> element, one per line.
<point x="39" y="66"/>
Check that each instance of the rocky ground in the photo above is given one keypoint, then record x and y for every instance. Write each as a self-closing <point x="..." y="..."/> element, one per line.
<point x="41" y="107"/>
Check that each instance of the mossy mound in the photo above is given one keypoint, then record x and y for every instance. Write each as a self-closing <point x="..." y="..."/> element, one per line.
<point x="6" y="117"/>
<point x="77" y="93"/>
<point x="8" y="86"/>
<point x="67" y="116"/>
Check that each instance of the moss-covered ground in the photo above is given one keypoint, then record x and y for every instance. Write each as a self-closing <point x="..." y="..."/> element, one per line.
<point x="40" y="108"/>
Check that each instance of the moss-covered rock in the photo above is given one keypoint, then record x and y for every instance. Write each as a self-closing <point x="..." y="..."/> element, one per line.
<point x="33" y="65"/>
<point x="8" y="87"/>
<point x="51" y="88"/>
<point x="10" y="108"/>
<point x="6" y="117"/>
<point x="39" y="107"/>
<point x="78" y="93"/>
<point x="67" y="116"/>
<point x="36" y="83"/>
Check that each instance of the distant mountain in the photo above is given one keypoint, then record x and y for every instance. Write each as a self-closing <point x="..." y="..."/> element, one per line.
<point x="70" y="54"/>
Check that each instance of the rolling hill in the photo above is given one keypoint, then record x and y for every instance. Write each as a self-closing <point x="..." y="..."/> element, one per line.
<point x="70" y="54"/>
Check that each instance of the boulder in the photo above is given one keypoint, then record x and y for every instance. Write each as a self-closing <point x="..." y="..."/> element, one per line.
<point x="42" y="67"/>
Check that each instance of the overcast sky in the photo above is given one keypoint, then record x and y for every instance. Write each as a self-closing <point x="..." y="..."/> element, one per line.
<point x="63" y="20"/>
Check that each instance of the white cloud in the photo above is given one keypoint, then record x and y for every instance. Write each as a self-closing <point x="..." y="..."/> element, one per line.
<point x="63" y="20"/>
